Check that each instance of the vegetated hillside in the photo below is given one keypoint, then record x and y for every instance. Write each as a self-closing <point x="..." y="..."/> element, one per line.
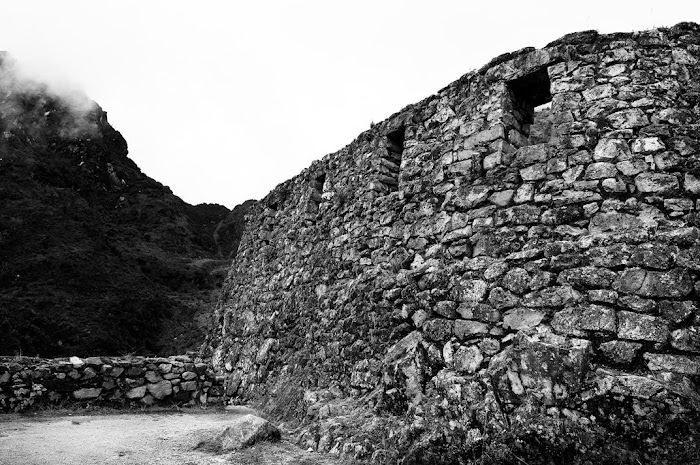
<point x="95" y="256"/>
<point x="541" y="129"/>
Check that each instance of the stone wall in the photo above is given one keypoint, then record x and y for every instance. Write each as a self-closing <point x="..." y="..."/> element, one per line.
<point x="448" y="263"/>
<point x="114" y="382"/>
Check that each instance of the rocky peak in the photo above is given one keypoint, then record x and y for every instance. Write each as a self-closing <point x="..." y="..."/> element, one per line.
<point x="96" y="257"/>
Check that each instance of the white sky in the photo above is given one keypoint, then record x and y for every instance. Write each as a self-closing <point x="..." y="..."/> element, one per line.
<point x="223" y="100"/>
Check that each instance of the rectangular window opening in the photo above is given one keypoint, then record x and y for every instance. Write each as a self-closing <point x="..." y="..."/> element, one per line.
<point x="319" y="182"/>
<point x="315" y="195"/>
<point x="269" y="222"/>
<point x="390" y="161"/>
<point x="531" y="99"/>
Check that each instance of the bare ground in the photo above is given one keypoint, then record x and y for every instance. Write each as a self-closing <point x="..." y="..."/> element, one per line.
<point x="65" y="438"/>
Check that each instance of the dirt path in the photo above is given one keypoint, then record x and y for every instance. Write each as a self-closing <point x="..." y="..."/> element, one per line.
<point x="130" y="439"/>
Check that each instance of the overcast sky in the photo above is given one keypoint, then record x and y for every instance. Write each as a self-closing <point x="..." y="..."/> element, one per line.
<point x="223" y="100"/>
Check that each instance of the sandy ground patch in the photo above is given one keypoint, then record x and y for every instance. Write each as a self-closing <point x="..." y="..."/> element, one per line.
<point x="134" y="438"/>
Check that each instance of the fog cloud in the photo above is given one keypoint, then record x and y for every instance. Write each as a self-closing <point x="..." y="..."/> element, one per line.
<point x="32" y="105"/>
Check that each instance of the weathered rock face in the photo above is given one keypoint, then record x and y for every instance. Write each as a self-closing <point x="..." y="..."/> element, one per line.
<point x="445" y="260"/>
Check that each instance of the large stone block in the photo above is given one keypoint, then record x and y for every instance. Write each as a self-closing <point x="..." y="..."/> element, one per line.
<point x="94" y="361"/>
<point x="684" y="364"/>
<point x="478" y="311"/>
<point x="534" y="172"/>
<point x="493" y="133"/>
<point x="549" y="370"/>
<point x="632" y="167"/>
<point x="647" y="145"/>
<point x="531" y="154"/>
<point x="468" y="328"/>
<point x="516" y="280"/>
<point x="637" y="304"/>
<point x="675" y="311"/>
<point x="691" y="183"/>
<point x="519" y="214"/>
<point x="614" y="222"/>
<point x="674" y="283"/>
<point x="599" y="92"/>
<point x="690" y="258"/>
<point x="673" y="116"/>
<point x="654" y="255"/>
<point x="136" y="393"/>
<point x="87" y="393"/>
<point x="623" y="384"/>
<point x="656" y="183"/>
<point x="639" y="327"/>
<point x="628" y="119"/>
<point x="467" y="359"/>
<point x="468" y="197"/>
<point x="600" y="170"/>
<point x="686" y="339"/>
<point x="591" y="317"/>
<point x="438" y="329"/>
<point x="191" y="386"/>
<point x="610" y="256"/>
<point x="501" y="299"/>
<point x="161" y="389"/>
<point x="588" y="276"/>
<point x="522" y="318"/>
<point x="470" y="290"/>
<point x="555" y="296"/>
<point x="152" y="376"/>
<point x="165" y="367"/>
<point x="622" y="352"/>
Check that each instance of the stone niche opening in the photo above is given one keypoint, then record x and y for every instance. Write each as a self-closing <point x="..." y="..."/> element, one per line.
<point x="315" y="194"/>
<point x="390" y="161"/>
<point x="529" y="108"/>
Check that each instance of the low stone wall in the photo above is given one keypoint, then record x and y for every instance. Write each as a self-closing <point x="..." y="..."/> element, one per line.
<point x="115" y="382"/>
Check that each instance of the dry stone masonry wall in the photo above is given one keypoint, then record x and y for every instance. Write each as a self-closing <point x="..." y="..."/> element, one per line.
<point x="463" y="258"/>
<point x="117" y="382"/>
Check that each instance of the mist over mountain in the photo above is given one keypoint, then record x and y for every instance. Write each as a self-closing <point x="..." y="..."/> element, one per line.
<point x="95" y="256"/>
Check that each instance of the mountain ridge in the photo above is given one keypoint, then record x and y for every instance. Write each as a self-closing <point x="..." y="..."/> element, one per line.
<point x="95" y="256"/>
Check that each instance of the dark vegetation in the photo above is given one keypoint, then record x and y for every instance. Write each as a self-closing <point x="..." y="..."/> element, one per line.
<point x="95" y="256"/>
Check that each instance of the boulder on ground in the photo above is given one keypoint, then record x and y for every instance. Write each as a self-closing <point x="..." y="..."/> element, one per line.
<point x="248" y="430"/>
